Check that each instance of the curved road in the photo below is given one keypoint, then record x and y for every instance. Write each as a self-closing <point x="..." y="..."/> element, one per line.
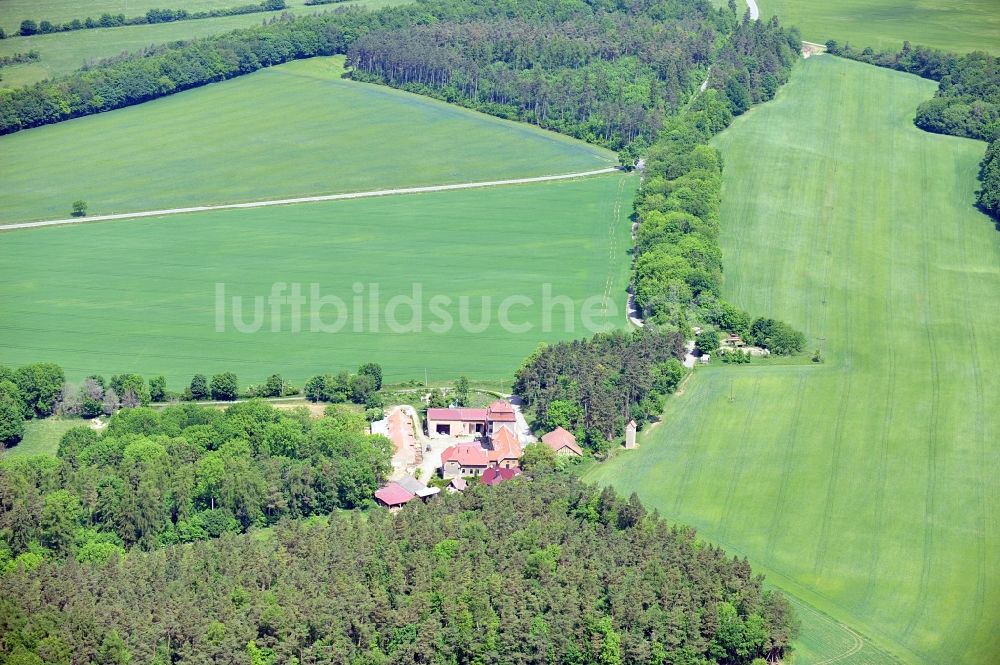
<point x="308" y="199"/>
<point x="754" y="12"/>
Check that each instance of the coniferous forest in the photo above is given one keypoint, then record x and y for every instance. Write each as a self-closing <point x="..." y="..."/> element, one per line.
<point x="546" y="570"/>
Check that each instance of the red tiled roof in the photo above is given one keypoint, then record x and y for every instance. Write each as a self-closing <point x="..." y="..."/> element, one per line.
<point x="505" y="445"/>
<point x="464" y="415"/>
<point x="466" y="454"/>
<point x="493" y="475"/>
<point x="500" y="410"/>
<point x="560" y="438"/>
<point x="393" y="494"/>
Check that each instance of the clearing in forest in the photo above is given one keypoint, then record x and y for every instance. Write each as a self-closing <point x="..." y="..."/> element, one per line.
<point x="866" y="485"/>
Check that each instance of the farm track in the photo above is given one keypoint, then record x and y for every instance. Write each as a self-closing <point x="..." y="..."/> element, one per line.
<point x="308" y="199"/>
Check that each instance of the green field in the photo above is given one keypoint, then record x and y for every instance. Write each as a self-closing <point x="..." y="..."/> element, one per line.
<point x="41" y="437"/>
<point x="866" y="486"/>
<point x="953" y="25"/>
<point x="64" y="52"/>
<point x="140" y="295"/>
<point x="293" y="130"/>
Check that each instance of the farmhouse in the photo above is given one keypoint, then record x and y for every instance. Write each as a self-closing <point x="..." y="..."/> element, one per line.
<point x="562" y="443"/>
<point x="471" y="422"/>
<point x="464" y="459"/>
<point x="473" y="459"/>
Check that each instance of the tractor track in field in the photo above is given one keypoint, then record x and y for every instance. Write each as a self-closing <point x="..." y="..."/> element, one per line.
<point x="786" y="466"/>
<point x="308" y="199"/>
<point x="739" y="462"/>
<point x="932" y="429"/>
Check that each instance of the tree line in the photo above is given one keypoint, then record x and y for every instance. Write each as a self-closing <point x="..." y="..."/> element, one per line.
<point x="41" y="389"/>
<point x="30" y="27"/>
<point x="186" y="473"/>
<point x="967" y="101"/>
<point x="542" y="570"/>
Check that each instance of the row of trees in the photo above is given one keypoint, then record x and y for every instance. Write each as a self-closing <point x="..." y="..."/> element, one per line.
<point x="360" y="388"/>
<point x="183" y="474"/>
<point x="967" y="102"/>
<point x="30" y="27"/>
<point x="677" y="269"/>
<point x="548" y="570"/>
<point x="594" y="387"/>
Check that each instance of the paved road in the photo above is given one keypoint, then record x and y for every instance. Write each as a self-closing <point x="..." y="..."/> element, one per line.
<point x="307" y="199"/>
<point x="754" y="12"/>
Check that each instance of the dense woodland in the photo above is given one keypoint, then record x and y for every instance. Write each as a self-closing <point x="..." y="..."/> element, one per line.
<point x="608" y="77"/>
<point x="531" y="571"/>
<point x="967" y="102"/>
<point x="185" y="473"/>
<point x="594" y="387"/>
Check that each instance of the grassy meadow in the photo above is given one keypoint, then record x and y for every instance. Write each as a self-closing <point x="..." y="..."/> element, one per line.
<point x="864" y="486"/>
<point x="952" y="25"/>
<point x="64" y="52"/>
<point x="140" y="295"/>
<point x="293" y="130"/>
<point x="41" y="437"/>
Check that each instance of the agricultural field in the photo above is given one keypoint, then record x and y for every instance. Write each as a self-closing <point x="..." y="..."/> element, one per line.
<point x="863" y="486"/>
<point x="293" y="130"/>
<point x="140" y="295"/>
<point x="64" y="52"/>
<point x="951" y="25"/>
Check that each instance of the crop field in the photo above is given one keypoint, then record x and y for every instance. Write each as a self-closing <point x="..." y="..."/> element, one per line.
<point x="864" y="486"/>
<point x="141" y="295"/>
<point x="293" y="130"/>
<point x="64" y="52"/>
<point x="952" y="25"/>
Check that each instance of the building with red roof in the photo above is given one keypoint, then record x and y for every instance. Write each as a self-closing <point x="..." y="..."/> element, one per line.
<point x="393" y="496"/>
<point x="464" y="459"/>
<point x="562" y="442"/>
<point x="505" y="450"/>
<point x="456" y="422"/>
<point x="498" y="414"/>
<point x="496" y="475"/>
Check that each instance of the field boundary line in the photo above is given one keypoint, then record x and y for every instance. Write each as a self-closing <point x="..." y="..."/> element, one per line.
<point x="309" y="199"/>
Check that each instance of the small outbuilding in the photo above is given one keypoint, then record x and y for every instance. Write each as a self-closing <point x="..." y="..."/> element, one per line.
<point x="562" y="442"/>
<point x="393" y="496"/>
<point x="496" y="475"/>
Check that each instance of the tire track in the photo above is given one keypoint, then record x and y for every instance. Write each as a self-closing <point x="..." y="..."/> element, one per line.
<point x="786" y="469"/>
<point x="739" y="462"/>
<point x="932" y="430"/>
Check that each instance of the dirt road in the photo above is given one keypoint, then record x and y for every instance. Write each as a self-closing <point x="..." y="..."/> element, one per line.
<point x="307" y="199"/>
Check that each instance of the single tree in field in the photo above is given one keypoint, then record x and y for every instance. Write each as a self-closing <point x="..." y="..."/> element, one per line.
<point x="79" y="208"/>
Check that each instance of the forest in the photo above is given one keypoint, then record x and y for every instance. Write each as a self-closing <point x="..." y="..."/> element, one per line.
<point x="186" y="473"/>
<point x="608" y="79"/>
<point x="540" y="570"/>
<point x="594" y="387"/>
<point x="967" y="102"/>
